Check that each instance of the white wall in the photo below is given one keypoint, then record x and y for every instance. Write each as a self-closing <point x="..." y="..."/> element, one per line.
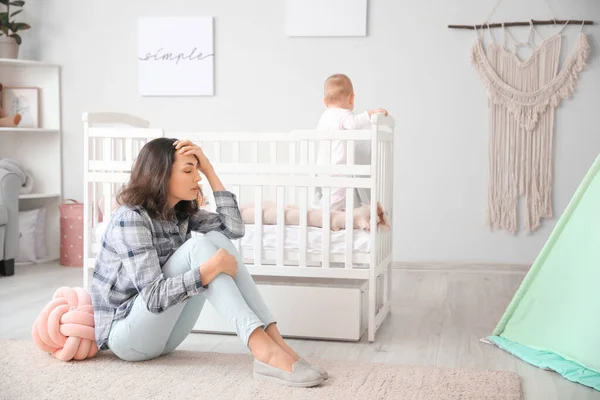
<point x="410" y="63"/>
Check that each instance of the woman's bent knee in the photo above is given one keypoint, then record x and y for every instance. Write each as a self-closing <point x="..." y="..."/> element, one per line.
<point x="221" y="241"/>
<point x="202" y="249"/>
<point x="215" y="235"/>
<point x="203" y="245"/>
<point x="200" y="240"/>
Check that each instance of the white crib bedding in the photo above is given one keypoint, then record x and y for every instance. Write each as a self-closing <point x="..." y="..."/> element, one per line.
<point x="361" y="238"/>
<point x="314" y="244"/>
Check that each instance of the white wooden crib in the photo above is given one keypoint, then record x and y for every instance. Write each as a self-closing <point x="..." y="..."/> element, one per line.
<point x="280" y="168"/>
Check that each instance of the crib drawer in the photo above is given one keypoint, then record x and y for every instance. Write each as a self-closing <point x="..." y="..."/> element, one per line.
<point x="305" y="308"/>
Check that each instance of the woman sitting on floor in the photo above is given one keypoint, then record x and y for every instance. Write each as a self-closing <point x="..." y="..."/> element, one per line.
<point x="151" y="278"/>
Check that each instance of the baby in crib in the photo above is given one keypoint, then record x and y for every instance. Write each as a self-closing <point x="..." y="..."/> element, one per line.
<point x="339" y="100"/>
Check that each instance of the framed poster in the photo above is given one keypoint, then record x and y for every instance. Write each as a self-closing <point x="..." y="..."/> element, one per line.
<point x="175" y="56"/>
<point x="326" y="17"/>
<point x="24" y="101"/>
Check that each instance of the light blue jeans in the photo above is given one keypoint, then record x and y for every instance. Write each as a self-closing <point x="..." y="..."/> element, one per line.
<point x="142" y="335"/>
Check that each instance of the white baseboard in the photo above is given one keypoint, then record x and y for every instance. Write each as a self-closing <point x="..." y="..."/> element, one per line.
<point x="461" y="267"/>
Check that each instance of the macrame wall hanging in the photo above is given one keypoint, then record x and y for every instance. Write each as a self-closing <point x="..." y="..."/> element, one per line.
<point x="522" y="98"/>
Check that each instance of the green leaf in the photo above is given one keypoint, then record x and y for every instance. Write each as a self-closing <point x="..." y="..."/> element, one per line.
<point x="17" y="38"/>
<point x="18" y="3"/>
<point x="21" y="26"/>
<point x="4" y="29"/>
<point x="15" y="13"/>
<point x="5" y="2"/>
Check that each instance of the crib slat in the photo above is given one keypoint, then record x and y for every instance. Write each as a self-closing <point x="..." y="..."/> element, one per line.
<point x="349" y="226"/>
<point x="382" y="180"/>
<point x="303" y="152"/>
<point x="292" y="157"/>
<point x="236" y="152"/>
<point x="87" y="206"/>
<point x="273" y="157"/>
<point x="350" y="152"/>
<point x="217" y="150"/>
<point x="107" y="146"/>
<point x="311" y="161"/>
<point x="326" y="144"/>
<point x="378" y="189"/>
<point x="107" y="193"/>
<point x="107" y="155"/>
<point x="129" y="150"/>
<point x="273" y="161"/>
<point x="303" y="208"/>
<point x="122" y="149"/>
<point x="94" y="150"/>
<point x="238" y="242"/>
<point x="390" y="185"/>
<point x="326" y="226"/>
<point x="93" y="156"/>
<point x="390" y="188"/>
<point x="280" y="224"/>
<point x="303" y="227"/>
<point x="384" y="199"/>
<point x="258" y="231"/>
<point x="373" y="236"/>
<point x="382" y="243"/>
<point x="94" y="204"/>
<point x="349" y="206"/>
<point x="96" y="186"/>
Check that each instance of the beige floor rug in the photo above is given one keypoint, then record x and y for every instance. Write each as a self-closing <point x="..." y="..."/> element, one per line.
<point x="28" y="373"/>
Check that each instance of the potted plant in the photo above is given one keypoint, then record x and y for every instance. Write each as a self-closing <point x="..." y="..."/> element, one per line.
<point x="9" y="38"/>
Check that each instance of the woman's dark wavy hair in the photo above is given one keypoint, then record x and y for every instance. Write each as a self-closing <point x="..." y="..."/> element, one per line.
<point x="148" y="185"/>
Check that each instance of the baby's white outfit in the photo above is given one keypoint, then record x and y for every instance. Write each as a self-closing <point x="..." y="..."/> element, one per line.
<point x="335" y="119"/>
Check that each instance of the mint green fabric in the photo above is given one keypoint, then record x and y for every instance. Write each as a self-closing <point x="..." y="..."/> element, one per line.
<point x="549" y="360"/>
<point x="557" y="307"/>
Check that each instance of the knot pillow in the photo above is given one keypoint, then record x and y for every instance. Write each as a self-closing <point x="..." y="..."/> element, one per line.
<point x="65" y="327"/>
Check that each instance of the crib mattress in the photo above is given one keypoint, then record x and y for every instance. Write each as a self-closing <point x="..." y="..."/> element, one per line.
<point x="314" y="244"/>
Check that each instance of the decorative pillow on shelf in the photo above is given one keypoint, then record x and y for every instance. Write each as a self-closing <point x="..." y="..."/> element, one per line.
<point x="32" y="235"/>
<point x="27" y="223"/>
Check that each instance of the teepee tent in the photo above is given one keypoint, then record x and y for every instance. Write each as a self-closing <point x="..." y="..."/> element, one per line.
<point x="553" y="322"/>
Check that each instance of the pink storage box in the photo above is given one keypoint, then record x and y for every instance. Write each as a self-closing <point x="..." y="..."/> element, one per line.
<point x="71" y="233"/>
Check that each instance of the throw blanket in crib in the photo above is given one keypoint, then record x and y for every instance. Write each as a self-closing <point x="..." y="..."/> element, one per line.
<point x="361" y="216"/>
<point x="16" y="167"/>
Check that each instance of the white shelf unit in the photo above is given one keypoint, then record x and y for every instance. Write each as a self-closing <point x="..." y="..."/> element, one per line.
<point x="38" y="149"/>
<point x="30" y="130"/>
<point x="38" y="196"/>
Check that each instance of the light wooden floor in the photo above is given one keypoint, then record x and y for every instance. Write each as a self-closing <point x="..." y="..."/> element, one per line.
<point x="437" y="319"/>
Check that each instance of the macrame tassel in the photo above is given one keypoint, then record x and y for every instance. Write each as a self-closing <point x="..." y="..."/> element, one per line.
<point x="522" y="98"/>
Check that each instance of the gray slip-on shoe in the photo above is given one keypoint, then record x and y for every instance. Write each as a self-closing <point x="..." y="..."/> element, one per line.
<point x="301" y="375"/>
<point x="317" y="368"/>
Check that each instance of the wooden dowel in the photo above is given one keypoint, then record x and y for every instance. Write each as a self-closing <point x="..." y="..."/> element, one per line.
<point x="526" y="23"/>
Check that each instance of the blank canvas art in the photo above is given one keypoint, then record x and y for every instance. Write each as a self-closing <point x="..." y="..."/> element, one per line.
<point x="326" y="18"/>
<point x="175" y="56"/>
